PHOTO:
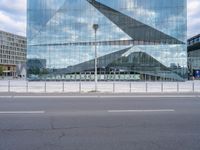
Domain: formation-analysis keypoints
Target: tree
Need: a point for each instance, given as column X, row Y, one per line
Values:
column 45, row 71
column 1, row 70
column 35, row 71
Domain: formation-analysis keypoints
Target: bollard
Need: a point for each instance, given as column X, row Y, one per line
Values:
column 130, row 87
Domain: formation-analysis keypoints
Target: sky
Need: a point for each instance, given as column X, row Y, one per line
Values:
column 13, row 16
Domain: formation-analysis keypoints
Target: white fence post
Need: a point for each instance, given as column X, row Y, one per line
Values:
column 178, row 87
column 113, row 87
column 8, row 86
column 45, row 87
column 80, row 87
column 26, row 86
column 146, row 87
column 193, row 87
column 162, row 87
column 63, row 87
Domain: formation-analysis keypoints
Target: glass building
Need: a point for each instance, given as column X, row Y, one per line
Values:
column 194, row 57
column 136, row 39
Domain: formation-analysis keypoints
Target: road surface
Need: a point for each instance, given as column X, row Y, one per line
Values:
column 100, row 123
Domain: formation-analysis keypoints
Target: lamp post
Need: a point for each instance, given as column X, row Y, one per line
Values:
column 95, row 27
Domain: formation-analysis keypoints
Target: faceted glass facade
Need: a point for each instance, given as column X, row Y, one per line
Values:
column 194, row 57
column 136, row 39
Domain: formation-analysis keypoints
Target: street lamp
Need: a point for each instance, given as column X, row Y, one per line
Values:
column 95, row 27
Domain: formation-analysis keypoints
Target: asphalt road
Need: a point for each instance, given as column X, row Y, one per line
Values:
column 100, row 123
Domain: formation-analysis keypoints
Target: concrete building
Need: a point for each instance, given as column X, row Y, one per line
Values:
column 194, row 56
column 12, row 55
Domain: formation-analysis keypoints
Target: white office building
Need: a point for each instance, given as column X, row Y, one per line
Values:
column 12, row 55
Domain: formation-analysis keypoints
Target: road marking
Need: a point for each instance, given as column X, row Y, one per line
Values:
column 56, row 96
column 22, row 112
column 49, row 96
column 126, row 111
column 152, row 96
column 5, row 96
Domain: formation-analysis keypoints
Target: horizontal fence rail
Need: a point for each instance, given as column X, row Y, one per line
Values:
column 104, row 87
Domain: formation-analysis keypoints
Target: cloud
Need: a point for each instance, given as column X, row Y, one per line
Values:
column 17, row 6
column 9, row 24
column 193, row 17
column 13, row 16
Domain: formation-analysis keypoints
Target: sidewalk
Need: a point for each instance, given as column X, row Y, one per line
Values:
column 87, row 95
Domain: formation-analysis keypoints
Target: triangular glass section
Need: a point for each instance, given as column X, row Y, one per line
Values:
column 132, row 27
column 38, row 23
column 73, row 23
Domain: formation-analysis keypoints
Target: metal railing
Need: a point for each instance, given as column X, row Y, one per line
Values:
column 104, row 87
